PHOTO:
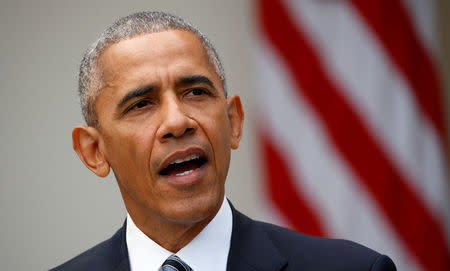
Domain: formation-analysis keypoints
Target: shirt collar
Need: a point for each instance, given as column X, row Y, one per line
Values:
column 207, row 251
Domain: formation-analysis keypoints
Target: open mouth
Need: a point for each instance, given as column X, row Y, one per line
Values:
column 181, row 167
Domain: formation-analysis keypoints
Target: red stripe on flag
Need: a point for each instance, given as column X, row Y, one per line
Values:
column 389, row 20
column 285, row 194
column 405, row 211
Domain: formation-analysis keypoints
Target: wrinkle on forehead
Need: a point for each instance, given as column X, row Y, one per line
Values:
column 156, row 49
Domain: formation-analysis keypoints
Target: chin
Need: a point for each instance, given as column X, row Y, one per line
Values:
column 195, row 210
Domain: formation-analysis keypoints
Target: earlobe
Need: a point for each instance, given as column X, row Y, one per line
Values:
column 86, row 142
column 236, row 117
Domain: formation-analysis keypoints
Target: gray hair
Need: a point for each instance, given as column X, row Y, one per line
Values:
column 90, row 82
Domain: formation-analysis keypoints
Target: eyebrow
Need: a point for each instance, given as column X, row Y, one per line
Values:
column 135, row 94
column 195, row 79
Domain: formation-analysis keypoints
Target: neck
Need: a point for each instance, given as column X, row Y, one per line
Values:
column 169, row 234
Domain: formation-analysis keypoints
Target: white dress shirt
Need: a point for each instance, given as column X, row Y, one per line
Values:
column 207, row 251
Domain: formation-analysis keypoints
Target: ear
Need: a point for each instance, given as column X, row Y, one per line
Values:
column 86, row 142
column 236, row 117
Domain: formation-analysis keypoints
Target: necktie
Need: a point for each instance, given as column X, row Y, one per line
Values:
column 173, row 263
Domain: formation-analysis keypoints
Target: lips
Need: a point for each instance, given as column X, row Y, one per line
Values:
column 183, row 163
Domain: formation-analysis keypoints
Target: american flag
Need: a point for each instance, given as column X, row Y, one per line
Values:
column 352, row 131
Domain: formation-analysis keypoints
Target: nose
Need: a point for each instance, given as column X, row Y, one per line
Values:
column 175, row 120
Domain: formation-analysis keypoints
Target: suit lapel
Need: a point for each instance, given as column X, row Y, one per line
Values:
column 119, row 250
column 123, row 266
column 251, row 247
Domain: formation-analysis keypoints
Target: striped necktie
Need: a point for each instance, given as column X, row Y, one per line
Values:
column 173, row 263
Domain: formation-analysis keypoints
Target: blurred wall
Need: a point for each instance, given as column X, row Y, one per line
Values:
column 52, row 207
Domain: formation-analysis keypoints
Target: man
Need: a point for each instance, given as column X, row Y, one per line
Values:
column 154, row 98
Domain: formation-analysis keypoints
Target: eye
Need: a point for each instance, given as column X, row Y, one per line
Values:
column 140, row 104
column 197, row 92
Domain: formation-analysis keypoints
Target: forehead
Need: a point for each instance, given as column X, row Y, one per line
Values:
column 173, row 49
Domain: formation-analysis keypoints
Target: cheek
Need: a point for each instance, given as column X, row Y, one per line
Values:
column 130, row 160
column 217, row 129
column 130, row 147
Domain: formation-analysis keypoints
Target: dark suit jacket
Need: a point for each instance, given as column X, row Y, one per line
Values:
column 254, row 246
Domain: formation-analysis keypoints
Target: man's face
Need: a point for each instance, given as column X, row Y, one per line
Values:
column 166, row 127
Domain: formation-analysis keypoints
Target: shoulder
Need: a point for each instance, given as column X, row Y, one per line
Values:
column 326, row 253
column 107, row 255
column 305, row 252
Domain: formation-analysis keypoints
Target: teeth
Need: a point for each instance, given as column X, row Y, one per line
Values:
column 185, row 173
column 190, row 157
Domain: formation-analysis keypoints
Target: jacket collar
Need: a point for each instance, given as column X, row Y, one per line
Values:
column 120, row 253
column 251, row 247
